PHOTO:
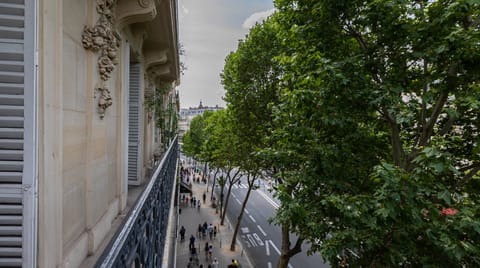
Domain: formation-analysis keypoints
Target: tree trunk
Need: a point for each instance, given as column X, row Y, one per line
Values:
column 231, row 182
column 221, row 200
column 213, row 184
column 227, row 197
column 204, row 172
column 239, row 218
column 288, row 252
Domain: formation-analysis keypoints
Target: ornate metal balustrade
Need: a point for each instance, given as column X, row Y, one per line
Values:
column 141, row 241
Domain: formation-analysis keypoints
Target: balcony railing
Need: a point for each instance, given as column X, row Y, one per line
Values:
column 141, row 241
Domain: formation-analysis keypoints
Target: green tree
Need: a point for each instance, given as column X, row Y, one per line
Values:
column 251, row 78
column 195, row 137
column 221, row 146
column 379, row 120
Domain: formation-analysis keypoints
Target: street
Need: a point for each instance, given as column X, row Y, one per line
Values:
column 262, row 240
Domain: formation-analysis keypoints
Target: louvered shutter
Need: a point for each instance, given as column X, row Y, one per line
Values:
column 134, row 123
column 17, row 138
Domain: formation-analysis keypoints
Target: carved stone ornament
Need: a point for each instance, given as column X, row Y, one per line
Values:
column 144, row 3
column 104, row 100
column 103, row 38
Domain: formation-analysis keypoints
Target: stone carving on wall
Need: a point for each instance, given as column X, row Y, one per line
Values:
column 103, row 38
column 144, row 3
column 104, row 100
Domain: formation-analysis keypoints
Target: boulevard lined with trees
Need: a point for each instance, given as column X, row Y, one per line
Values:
column 366, row 113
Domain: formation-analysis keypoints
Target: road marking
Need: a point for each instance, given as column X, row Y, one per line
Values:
column 233, row 195
column 275, row 247
column 246, row 211
column 238, row 201
column 259, row 241
column 269, row 265
column 261, row 230
column 267, row 247
column 269, row 200
column 251, row 240
column 250, row 216
column 245, row 230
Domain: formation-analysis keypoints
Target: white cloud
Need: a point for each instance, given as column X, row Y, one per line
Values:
column 185, row 10
column 208, row 31
column 257, row 17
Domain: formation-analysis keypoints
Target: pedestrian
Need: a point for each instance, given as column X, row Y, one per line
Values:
column 210, row 251
column 192, row 242
column 204, row 197
column 194, row 203
column 186, row 201
column 204, row 232
column 198, row 205
column 210, row 231
column 199, row 230
column 214, row 231
column 179, row 210
column 207, row 247
column 215, row 263
column 190, row 263
column 182, row 233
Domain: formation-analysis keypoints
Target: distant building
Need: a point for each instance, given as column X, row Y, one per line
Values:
column 186, row 116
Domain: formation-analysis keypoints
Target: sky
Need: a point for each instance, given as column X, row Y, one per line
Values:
column 208, row 31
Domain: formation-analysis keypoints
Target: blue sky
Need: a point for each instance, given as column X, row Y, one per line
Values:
column 208, row 31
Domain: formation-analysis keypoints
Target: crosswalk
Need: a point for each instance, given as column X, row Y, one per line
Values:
column 241, row 186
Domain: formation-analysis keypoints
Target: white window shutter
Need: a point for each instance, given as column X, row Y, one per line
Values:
column 17, row 134
column 134, row 123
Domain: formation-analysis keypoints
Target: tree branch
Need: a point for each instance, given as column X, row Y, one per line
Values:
column 442, row 99
column 397, row 152
column 474, row 169
column 447, row 126
column 297, row 248
column 473, row 165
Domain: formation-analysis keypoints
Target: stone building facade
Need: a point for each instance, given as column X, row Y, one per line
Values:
column 74, row 130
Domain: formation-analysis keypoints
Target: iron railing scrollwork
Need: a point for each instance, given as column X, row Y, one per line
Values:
column 141, row 241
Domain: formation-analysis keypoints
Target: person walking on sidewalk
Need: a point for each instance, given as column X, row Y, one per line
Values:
column 192, row 242
column 210, row 231
column 182, row 233
column 207, row 247
column 215, row 263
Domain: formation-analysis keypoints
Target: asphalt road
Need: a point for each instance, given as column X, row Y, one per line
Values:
column 262, row 240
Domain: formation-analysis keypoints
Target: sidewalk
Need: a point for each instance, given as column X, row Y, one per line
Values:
column 191, row 217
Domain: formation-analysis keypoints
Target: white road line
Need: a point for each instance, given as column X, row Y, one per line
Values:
column 267, row 248
column 269, row 265
column 278, row 251
column 261, row 230
column 238, row 201
column 233, row 194
column 274, row 247
column 246, row 211
column 250, row 216
column 269, row 200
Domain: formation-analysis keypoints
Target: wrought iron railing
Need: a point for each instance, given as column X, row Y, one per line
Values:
column 141, row 241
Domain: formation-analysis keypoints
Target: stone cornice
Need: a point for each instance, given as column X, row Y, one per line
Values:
column 134, row 11
column 155, row 57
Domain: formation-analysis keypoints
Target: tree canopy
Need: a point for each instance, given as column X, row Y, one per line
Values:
column 380, row 108
column 367, row 112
